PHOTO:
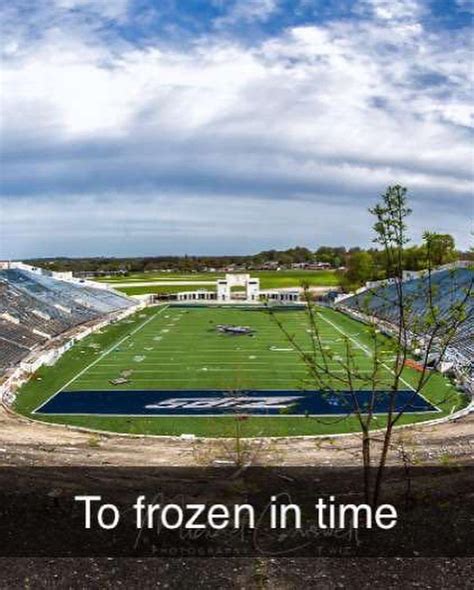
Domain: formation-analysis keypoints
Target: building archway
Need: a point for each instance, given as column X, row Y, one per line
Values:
column 251, row 285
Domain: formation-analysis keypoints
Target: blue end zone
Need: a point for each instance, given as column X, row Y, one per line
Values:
column 220, row 403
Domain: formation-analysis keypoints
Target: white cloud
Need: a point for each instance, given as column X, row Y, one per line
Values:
column 248, row 11
column 317, row 118
column 395, row 10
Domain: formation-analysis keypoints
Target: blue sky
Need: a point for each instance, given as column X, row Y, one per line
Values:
column 140, row 127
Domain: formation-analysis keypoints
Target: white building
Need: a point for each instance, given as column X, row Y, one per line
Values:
column 252, row 287
column 249, row 294
column 199, row 295
column 223, row 293
column 283, row 296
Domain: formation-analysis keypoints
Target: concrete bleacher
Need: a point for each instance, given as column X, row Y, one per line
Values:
column 31, row 312
column 464, row 340
column 61, row 295
column 10, row 353
column 19, row 334
column 448, row 288
column 35, row 307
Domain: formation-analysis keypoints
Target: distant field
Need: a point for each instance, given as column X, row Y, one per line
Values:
column 268, row 280
column 177, row 349
column 160, row 276
column 161, row 289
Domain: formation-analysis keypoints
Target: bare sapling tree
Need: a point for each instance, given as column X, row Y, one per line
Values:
column 372, row 372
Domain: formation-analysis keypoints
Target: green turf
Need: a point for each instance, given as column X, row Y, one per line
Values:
column 160, row 276
column 180, row 348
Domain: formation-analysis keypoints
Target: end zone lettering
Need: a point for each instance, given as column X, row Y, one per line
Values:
column 240, row 403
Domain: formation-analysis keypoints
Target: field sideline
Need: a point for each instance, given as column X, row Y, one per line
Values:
column 172, row 348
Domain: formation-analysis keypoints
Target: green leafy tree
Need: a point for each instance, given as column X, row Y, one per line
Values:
column 430, row 329
column 415, row 258
column 442, row 249
column 360, row 269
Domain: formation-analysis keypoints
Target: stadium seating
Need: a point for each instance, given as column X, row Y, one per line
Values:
column 19, row 334
column 447, row 287
column 35, row 307
column 10, row 353
column 464, row 341
column 31, row 312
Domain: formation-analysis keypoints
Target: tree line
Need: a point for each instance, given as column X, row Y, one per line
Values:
column 372, row 264
column 355, row 265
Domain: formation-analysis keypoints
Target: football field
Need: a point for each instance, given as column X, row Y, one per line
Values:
column 182, row 349
column 179, row 348
column 167, row 365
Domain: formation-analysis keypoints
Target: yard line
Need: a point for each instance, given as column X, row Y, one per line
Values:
column 187, row 370
column 202, row 378
column 104, row 354
column 218, row 369
column 205, row 351
column 214, row 369
column 367, row 351
column 137, row 368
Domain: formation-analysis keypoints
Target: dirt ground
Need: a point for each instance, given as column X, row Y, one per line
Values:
column 24, row 442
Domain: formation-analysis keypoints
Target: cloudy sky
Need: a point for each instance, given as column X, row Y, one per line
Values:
column 227, row 126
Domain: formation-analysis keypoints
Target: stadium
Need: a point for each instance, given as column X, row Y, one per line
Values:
column 81, row 353
column 236, row 279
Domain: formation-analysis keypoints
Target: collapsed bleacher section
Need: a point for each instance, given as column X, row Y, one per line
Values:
column 441, row 290
column 36, row 308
